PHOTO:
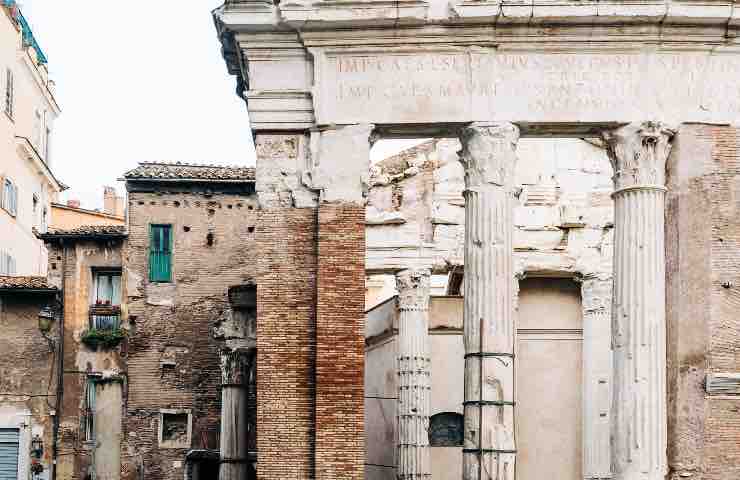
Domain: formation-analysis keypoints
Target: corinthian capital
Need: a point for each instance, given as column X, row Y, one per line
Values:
column 638, row 153
column 413, row 289
column 489, row 154
column 235, row 366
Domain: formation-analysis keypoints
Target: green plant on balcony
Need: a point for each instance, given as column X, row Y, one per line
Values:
column 104, row 338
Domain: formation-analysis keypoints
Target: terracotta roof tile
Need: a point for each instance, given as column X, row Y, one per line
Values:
column 189, row 172
column 86, row 231
column 24, row 283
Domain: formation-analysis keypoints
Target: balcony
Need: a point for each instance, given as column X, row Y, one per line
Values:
column 105, row 317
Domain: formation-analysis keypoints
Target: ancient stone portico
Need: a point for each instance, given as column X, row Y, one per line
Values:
column 657, row 83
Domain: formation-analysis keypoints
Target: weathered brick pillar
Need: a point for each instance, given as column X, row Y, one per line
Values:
column 414, row 382
column 286, row 327
column 236, row 365
column 341, row 166
column 702, row 298
column 638, row 153
column 489, row 157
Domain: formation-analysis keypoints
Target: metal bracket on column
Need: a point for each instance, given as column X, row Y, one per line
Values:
column 496, row 355
column 234, row 460
column 498, row 403
column 481, row 451
column 489, row 354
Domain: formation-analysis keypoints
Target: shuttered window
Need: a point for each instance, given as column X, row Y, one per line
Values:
column 9, row 198
column 160, row 253
column 9, row 93
column 9, row 439
column 90, row 410
column 7, row 264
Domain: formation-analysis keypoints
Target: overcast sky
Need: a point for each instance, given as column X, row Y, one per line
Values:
column 138, row 81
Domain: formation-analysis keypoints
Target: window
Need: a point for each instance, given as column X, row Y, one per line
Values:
column 90, row 409
column 7, row 264
column 446, row 430
column 9, row 92
column 37, row 128
column 106, row 309
column 44, row 219
column 160, row 253
column 10, row 197
column 175, row 428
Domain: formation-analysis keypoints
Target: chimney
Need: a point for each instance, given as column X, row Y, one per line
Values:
column 73, row 203
column 112, row 203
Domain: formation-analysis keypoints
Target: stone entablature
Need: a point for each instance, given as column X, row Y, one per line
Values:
column 575, row 64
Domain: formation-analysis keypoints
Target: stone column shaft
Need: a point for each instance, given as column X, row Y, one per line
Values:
column 638, row 153
column 489, row 157
column 414, row 387
column 235, row 372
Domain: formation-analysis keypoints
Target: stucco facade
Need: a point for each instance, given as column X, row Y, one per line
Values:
column 28, row 110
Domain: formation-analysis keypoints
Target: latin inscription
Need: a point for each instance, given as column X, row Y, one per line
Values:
column 545, row 87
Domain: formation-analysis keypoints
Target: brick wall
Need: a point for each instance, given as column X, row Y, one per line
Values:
column 28, row 372
column 703, row 252
column 286, row 343
column 173, row 321
column 340, row 446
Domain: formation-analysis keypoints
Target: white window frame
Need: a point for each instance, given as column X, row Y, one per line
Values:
column 9, row 197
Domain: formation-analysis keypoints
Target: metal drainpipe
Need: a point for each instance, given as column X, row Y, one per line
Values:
column 60, row 369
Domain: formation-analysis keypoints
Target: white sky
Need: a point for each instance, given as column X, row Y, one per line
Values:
column 140, row 81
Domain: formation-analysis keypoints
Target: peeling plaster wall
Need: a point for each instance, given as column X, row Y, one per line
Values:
column 71, row 266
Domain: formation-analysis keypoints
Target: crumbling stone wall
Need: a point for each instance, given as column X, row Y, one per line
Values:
column 563, row 219
column 173, row 358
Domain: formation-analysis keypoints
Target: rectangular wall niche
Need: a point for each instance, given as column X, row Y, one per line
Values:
column 175, row 428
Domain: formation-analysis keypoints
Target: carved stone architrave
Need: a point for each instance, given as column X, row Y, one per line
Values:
column 638, row 153
column 489, row 158
column 414, row 383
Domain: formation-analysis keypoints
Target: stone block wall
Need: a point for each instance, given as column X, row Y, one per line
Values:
column 173, row 358
column 703, row 294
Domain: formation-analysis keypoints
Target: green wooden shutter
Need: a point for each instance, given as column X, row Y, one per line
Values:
column 160, row 253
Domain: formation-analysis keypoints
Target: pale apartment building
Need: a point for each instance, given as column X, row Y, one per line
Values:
column 27, row 184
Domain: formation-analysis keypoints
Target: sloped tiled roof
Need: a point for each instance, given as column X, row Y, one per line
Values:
column 189, row 172
column 24, row 283
column 86, row 231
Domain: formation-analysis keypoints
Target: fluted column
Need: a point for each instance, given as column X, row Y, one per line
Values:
column 638, row 153
column 414, row 386
column 235, row 371
column 489, row 158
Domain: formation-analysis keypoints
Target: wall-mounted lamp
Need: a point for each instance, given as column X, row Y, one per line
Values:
column 46, row 316
column 37, row 446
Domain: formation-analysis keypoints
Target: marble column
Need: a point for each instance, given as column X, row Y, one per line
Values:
column 236, row 366
column 489, row 158
column 414, row 388
column 638, row 153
